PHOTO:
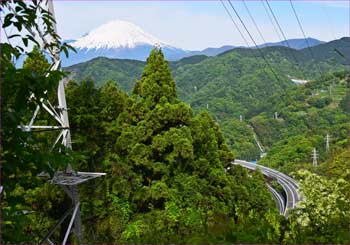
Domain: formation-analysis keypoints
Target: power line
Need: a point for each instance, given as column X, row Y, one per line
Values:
column 271, row 21
column 251, row 17
column 234, row 22
column 330, row 24
column 245, row 40
column 278, row 25
column 278, row 34
column 302, row 30
column 305, row 38
column 251, row 37
column 280, row 29
column 240, row 32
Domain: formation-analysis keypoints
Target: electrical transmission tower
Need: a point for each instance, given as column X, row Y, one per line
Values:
column 347, row 101
column 314, row 157
column 68, row 179
column 328, row 138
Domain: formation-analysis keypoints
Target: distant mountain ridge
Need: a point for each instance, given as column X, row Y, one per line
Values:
column 297, row 43
column 234, row 83
column 124, row 40
column 118, row 39
column 126, row 71
column 117, row 34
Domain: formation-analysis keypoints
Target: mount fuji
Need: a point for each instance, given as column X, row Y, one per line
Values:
column 119, row 39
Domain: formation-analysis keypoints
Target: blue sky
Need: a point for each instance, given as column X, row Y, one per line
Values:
column 200, row 24
column 196, row 25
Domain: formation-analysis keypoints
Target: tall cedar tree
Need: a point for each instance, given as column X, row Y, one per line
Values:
column 166, row 178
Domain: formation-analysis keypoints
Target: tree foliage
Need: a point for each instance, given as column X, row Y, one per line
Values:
column 166, row 177
column 170, row 178
column 26, row 201
column 323, row 214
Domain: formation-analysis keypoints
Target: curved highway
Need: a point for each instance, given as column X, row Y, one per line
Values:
column 289, row 185
column 278, row 198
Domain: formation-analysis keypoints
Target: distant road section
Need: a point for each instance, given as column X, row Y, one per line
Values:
column 289, row 185
column 299, row 81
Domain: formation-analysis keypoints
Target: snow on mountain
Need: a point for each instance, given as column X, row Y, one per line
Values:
column 117, row 34
column 119, row 39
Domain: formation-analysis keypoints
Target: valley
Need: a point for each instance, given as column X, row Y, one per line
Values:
column 239, row 80
column 119, row 137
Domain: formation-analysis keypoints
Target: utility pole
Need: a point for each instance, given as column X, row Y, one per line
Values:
column 327, row 142
column 347, row 100
column 314, row 157
column 207, row 106
column 68, row 179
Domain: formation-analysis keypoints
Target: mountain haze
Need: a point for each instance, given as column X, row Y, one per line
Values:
column 297, row 43
column 126, row 71
column 125, row 40
column 118, row 39
column 236, row 82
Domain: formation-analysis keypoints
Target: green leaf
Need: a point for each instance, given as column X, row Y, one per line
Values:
column 7, row 20
column 25, row 41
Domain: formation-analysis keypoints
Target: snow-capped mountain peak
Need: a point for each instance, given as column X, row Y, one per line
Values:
column 117, row 34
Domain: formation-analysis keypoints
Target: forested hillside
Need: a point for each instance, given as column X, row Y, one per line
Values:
column 165, row 166
column 166, row 140
column 101, row 70
column 311, row 112
column 231, row 84
column 296, row 63
column 187, row 192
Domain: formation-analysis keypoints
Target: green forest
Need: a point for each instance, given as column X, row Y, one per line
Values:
column 166, row 133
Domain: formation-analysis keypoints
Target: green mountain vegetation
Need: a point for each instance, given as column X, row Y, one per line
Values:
column 231, row 84
column 234, row 84
column 102, row 70
column 165, row 167
column 175, row 176
column 166, row 158
column 315, row 110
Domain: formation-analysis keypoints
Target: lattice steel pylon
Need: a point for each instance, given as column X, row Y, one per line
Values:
column 314, row 157
column 67, row 179
column 328, row 139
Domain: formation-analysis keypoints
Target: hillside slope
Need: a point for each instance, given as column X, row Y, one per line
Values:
column 237, row 82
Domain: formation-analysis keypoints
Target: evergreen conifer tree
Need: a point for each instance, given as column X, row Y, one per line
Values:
column 36, row 62
column 167, row 166
column 156, row 81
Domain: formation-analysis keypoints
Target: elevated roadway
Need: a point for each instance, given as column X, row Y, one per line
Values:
column 289, row 185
